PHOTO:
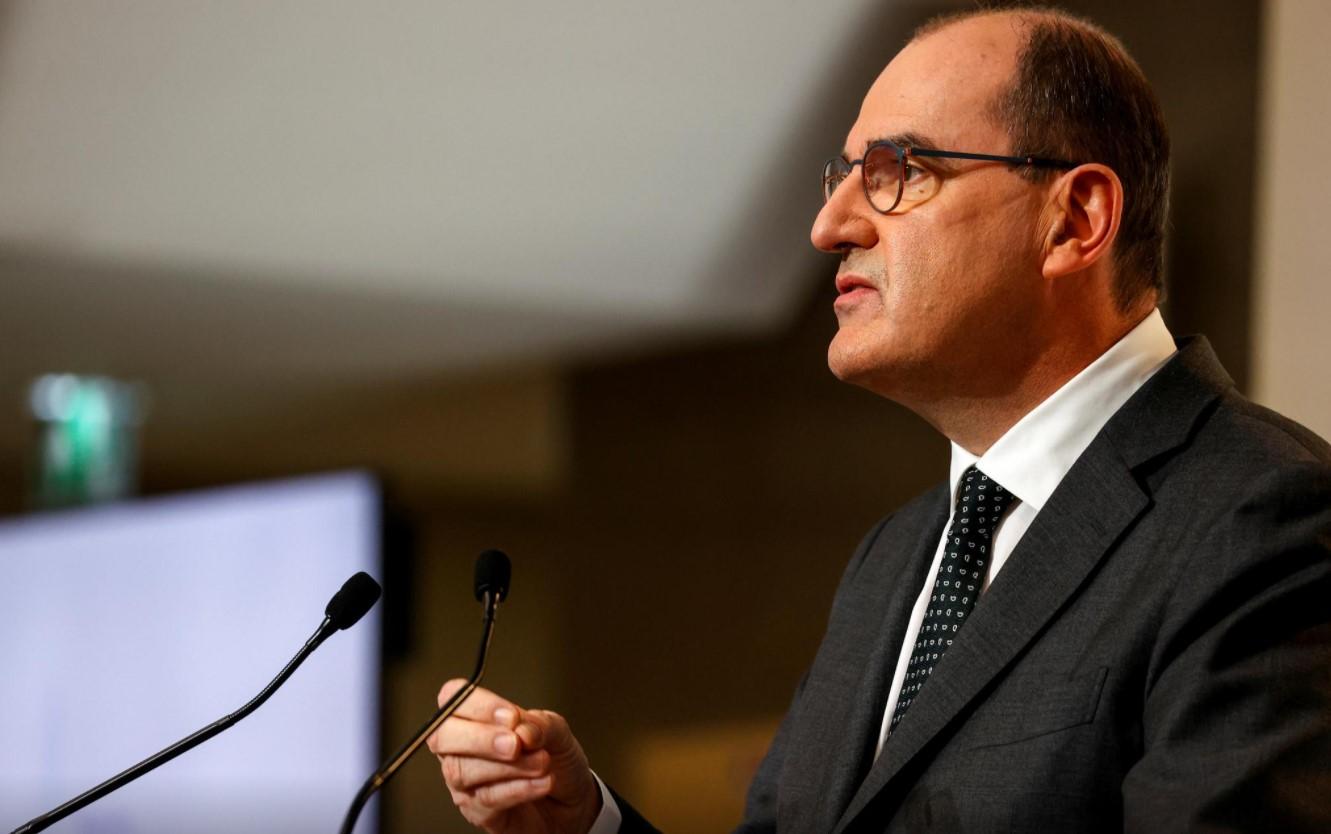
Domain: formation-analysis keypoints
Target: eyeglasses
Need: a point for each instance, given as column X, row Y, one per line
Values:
column 891, row 179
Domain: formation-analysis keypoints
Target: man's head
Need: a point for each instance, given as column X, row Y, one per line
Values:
column 1003, row 265
column 1079, row 95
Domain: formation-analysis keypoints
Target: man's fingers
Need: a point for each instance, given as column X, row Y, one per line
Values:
column 509, row 757
column 498, row 729
column 469, row 772
column 460, row 737
column 541, row 729
column 481, row 805
column 448, row 689
column 481, row 704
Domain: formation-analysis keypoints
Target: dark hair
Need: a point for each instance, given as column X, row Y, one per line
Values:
column 1078, row 95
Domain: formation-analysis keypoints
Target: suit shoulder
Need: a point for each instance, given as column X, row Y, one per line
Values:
column 1241, row 442
column 1255, row 483
column 1270, row 434
column 1248, row 482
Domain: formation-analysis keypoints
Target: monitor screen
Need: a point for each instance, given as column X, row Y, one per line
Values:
column 126, row 627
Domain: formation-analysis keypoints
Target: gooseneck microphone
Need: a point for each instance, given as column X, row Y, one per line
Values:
column 356, row 596
column 493, row 571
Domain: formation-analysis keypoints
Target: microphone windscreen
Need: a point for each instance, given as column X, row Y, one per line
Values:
column 357, row 596
column 492, row 574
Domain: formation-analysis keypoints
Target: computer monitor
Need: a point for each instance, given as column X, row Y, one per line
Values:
column 128, row 626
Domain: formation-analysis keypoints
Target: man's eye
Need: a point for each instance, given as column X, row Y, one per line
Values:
column 881, row 178
column 915, row 172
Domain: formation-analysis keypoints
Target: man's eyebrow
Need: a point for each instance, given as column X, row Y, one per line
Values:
column 909, row 139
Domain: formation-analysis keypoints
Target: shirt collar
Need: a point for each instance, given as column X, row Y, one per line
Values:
column 1032, row 457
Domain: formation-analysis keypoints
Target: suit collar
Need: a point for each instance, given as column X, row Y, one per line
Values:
column 1160, row 416
column 1097, row 500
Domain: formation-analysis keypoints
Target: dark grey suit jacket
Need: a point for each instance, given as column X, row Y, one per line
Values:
column 1155, row 655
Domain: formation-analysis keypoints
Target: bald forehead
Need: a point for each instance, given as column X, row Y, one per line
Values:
column 944, row 83
column 984, row 45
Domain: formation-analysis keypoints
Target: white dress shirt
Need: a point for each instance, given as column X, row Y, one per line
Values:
column 1029, row 460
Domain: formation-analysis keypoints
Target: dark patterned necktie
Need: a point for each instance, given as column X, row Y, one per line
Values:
column 980, row 505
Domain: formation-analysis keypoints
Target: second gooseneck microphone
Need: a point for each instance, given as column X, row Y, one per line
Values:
column 493, row 571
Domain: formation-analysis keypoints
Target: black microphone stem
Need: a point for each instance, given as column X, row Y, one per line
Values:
column 386, row 772
column 156, row 760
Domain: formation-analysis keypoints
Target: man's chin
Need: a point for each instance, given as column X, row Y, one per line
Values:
column 848, row 362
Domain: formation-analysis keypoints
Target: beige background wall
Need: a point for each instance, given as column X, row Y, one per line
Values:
column 1292, row 281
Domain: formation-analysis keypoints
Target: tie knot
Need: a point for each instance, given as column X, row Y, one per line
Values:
column 982, row 497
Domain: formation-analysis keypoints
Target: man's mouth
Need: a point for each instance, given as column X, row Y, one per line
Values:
column 851, row 287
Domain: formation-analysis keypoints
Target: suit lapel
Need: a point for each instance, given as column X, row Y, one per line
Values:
column 841, row 716
column 1058, row 551
column 1089, row 511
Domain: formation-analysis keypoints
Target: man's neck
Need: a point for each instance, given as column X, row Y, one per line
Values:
column 975, row 424
column 975, row 421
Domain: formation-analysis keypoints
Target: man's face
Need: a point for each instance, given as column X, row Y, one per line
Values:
column 937, row 298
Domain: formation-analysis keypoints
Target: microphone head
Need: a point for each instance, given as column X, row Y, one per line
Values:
column 493, row 571
column 357, row 596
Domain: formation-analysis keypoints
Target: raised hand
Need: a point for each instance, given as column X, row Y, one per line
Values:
column 514, row 771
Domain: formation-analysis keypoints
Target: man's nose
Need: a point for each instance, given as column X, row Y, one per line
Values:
column 843, row 223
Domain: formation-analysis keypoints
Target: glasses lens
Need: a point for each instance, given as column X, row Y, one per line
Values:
column 836, row 170
column 882, row 177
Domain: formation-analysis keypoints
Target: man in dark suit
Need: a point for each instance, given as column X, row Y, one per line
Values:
column 1116, row 614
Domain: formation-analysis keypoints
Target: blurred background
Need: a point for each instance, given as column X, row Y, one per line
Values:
column 543, row 270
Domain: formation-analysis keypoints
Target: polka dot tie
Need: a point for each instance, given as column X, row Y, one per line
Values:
column 980, row 505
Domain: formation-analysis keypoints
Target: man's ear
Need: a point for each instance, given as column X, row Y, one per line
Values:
column 1084, row 210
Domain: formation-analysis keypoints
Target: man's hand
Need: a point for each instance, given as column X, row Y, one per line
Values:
column 514, row 771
